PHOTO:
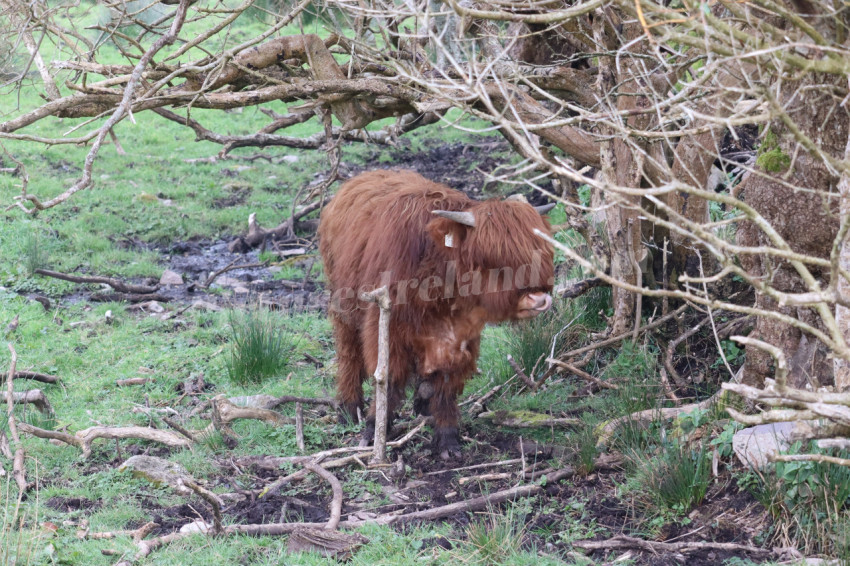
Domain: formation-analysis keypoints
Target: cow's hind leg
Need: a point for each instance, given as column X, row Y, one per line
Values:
column 351, row 371
column 443, row 407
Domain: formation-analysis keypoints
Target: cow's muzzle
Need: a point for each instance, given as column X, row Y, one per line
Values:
column 532, row 304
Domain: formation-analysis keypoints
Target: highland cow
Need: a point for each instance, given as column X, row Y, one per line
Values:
column 451, row 265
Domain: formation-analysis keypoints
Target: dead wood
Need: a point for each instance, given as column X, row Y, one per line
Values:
column 527, row 419
column 580, row 287
column 41, row 377
column 35, row 397
column 521, row 374
column 485, row 477
column 624, row 335
column 83, row 439
column 336, row 486
column 286, row 230
column 477, row 467
column 382, row 298
column 305, row 400
column 478, row 404
column 133, row 381
column 333, row 544
column 210, row 498
column 671, row 348
column 583, row 374
column 128, row 297
column 623, row 541
column 607, row 431
column 179, row 428
column 135, row 534
column 18, row 468
column 230, row 412
column 299, row 427
column 116, row 284
column 230, row 267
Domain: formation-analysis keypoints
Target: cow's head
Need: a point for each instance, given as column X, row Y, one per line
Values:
column 501, row 265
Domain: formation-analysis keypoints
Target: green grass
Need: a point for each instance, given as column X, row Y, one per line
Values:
column 260, row 346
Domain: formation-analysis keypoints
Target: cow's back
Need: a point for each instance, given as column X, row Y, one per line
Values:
column 376, row 224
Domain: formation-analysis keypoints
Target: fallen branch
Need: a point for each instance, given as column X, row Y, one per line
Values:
column 336, row 486
column 83, row 439
column 521, row 374
column 305, row 400
column 582, row 374
column 527, row 419
column 485, row 477
column 116, row 284
column 625, row 335
column 650, row 415
column 18, row 468
column 35, row 376
column 133, row 381
column 257, row 235
column 128, row 297
column 35, row 397
column 230, row 267
column 210, row 498
column 623, row 541
column 230, row 412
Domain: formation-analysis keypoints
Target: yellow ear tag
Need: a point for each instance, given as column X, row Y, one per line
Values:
column 450, row 240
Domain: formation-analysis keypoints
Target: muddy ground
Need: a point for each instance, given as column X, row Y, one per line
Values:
column 727, row 515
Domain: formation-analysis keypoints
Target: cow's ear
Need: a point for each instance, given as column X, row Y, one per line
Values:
column 446, row 233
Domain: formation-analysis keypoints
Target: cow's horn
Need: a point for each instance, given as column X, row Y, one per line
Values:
column 541, row 210
column 461, row 217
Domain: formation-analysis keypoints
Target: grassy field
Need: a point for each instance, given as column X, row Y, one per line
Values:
column 162, row 196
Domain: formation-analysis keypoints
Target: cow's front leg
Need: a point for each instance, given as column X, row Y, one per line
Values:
column 443, row 407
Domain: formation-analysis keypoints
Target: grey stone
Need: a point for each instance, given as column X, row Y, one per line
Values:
column 158, row 471
column 170, row 278
column 754, row 445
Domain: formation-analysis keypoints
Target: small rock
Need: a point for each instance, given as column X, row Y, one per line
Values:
column 196, row 526
column 754, row 445
column 158, row 471
column 240, row 290
column 205, row 306
column 170, row 278
column 290, row 158
column 226, row 281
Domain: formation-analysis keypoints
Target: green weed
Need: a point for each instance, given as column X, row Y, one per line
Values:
column 493, row 541
column 260, row 346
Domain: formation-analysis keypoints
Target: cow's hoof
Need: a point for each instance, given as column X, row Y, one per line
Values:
column 446, row 443
column 367, row 437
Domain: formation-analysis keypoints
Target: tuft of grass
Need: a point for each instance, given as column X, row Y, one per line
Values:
column 496, row 540
column 584, row 444
column 34, row 251
column 807, row 501
column 260, row 346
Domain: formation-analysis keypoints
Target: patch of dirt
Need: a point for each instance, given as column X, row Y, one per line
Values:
column 71, row 504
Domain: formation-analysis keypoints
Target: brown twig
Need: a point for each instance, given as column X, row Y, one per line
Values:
column 382, row 298
column 299, row 427
column 305, row 400
column 210, row 498
column 579, row 288
column 336, row 486
column 133, row 381
column 18, row 469
column 35, row 397
column 116, row 284
column 623, row 541
column 583, row 374
column 521, row 374
column 35, row 376
column 230, row 267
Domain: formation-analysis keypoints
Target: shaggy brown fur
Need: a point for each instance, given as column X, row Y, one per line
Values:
column 446, row 281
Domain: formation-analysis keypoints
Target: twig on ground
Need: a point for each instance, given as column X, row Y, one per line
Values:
column 477, row 467
column 478, row 406
column 305, row 400
column 179, row 428
column 623, row 541
column 116, row 284
column 83, row 439
column 18, row 468
column 133, row 381
column 527, row 419
column 521, row 374
column 299, row 427
column 336, row 486
column 210, row 498
column 485, row 477
column 582, row 374
column 35, row 397
column 625, row 335
column 230, row 267
column 135, row 534
column 35, row 376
